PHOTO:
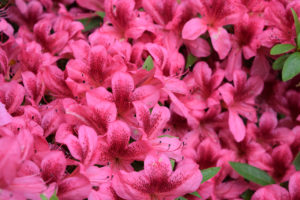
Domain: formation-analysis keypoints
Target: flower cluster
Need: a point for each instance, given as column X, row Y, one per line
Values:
column 136, row 104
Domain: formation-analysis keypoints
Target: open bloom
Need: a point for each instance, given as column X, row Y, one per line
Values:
column 215, row 15
column 240, row 100
column 157, row 180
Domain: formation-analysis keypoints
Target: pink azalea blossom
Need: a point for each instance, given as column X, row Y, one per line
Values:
column 240, row 99
column 157, row 180
column 215, row 15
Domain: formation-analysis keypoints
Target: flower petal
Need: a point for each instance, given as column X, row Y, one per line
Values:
column 193, row 29
column 220, row 41
column 236, row 126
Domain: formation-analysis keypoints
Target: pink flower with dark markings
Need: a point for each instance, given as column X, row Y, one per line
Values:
column 116, row 149
column 268, row 133
column 157, row 180
column 204, row 92
column 124, row 93
column 280, row 24
column 245, row 42
column 214, row 15
column 282, row 167
column 240, row 100
column 34, row 87
column 74, row 187
column 127, row 22
column 12, row 95
column 151, row 126
column 271, row 192
column 85, row 147
column 53, row 167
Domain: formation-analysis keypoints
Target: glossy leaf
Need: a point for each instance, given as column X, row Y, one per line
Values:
column 181, row 198
column 172, row 163
column 148, row 64
column 296, row 21
column 169, row 136
column 247, row 194
column 252, row 173
column 279, row 62
column 297, row 162
column 190, row 60
column 281, row 48
column 196, row 194
column 291, row 67
column 43, row 197
column 209, row 173
column 90, row 23
column 101, row 14
column 298, row 41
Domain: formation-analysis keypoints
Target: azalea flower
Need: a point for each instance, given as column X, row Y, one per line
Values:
column 214, row 15
column 240, row 99
column 157, row 180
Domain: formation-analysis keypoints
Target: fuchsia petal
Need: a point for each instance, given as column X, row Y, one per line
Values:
column 88, row 141
column 97, row 61
column 186, row 178
column 227, row 92
column 12, row 95
column 128, row 185
column 118, row 136
column 142, row 114
column 80, row 49
column 157, row 167
column 236, row 126
column 198, row 47
column 159, row 117
column 193, row 29
column 53, row 166
column 202, row 74
column 94, row 5
column 10, row 158
column 65, row 136
column 268, row 121
column 5, row 117
column 122, row 88
column 271, row 192
column 153, row 8
column 34, row 87
column 74, row 187
column 220, row 41
column 148, row 94
column 294, row 185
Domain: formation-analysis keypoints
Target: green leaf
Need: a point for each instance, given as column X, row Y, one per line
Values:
column 190, row 60
column 247, row 194
column 101, row 14
column 148, row 64
column 54, row 197
column 196, row 194
column 169, row 136
column 281, row 48
column 296, row 20
column 43, row 197
column 172, row 163
column 209, row 173
column 90, row 23
column 296, row 162
column 181, row 198
column 278, row 63
column 298, row 41
column 252, row 173
column 291, row 66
